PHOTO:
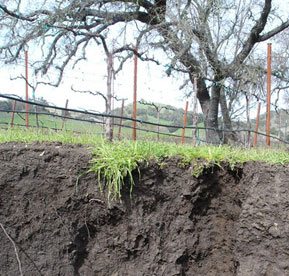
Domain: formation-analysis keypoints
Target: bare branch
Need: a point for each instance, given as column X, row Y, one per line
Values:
column 254, row 35
column 16, row 15
column 158, row 107
column 275, row 31
column 33, row 87
column 122, row 62
column 95, row 93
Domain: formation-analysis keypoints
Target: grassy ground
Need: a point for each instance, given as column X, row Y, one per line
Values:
column 21, row 134
column 51, row 121
column 81, row 126
column 116, row 161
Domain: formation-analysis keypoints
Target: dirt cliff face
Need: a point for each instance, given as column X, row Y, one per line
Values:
column 224, row 222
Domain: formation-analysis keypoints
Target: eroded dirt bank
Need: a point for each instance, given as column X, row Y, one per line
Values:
column 221, row 223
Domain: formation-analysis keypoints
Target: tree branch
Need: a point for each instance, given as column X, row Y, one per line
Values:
column 275, row 31
column 143, row 3
column 254, row 35
column 158, row 107
column 16, row 15
column 96, row 93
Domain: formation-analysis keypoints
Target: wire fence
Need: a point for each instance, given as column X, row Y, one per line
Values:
column 94, row 122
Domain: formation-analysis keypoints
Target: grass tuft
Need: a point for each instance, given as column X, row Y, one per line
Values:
column 115, row 162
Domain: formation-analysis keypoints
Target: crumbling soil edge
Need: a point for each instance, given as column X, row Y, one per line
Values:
column 224, row 222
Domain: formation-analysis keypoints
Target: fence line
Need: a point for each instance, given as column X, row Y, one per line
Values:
column 142, row 122
column 85, row 120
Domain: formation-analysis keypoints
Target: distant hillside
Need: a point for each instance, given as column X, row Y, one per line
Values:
column 275, row 122
column 173, row 116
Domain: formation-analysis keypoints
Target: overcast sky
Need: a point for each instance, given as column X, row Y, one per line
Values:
column 153, row 83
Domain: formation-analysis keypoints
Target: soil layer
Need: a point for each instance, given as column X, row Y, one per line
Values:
column 55, row 222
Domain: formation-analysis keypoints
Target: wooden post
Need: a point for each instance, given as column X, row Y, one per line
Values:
column 185, row 122
column 248, row 119
column 120, row 122
column 113, row 96
column 13, row 113
column 103, row 126
column 280, row 121
column 285, row 134
column 64, row 114
column 195, row 119
column 108, row 120
column 268, row 114
column 158, row 122
column 134, row 96
column 257, row 125
column 36, row 111
column 26, row 86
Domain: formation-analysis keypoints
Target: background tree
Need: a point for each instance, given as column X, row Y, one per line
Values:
column 209, row 39
column 6, row 105
column 158, row 108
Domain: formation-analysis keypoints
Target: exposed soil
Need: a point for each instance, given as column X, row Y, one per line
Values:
column 223, row 222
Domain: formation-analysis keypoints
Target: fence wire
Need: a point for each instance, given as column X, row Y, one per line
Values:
column 113, row 116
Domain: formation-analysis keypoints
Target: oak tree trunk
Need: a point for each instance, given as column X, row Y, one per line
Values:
column 229, row 135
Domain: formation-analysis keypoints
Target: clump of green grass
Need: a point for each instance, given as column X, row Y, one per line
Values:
column 115, row 162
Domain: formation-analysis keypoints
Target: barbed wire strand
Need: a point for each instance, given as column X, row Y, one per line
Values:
column 103, row 115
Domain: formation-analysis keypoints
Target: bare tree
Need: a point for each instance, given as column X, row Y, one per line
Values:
column 110, row 73
column 107, row 101
column 158, row 108
column 208, row 39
